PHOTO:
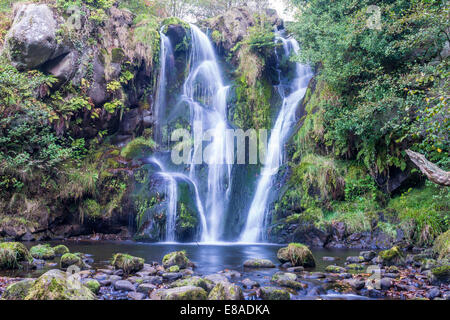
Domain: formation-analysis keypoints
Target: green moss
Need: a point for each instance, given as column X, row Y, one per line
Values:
column 42, row 251
column 442, row 245
column 117, row 55
column 390, row 254
column 127, row 263
column 271, row 293
column 137, row 147
column 20, row 251
column 69, row 259
column 355, row 267
column 442, row 272
column 93, row 285
column 174, row 269
column 191, row 281
column 61, row 250
column 8, row 259
column 297, row 254
column 18, row 290
column 177, row 258
column 334, row 269
column 175, row 21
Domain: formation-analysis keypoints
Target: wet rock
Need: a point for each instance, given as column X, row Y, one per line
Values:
column 172, row 276
column 230, row 274
column 316, row 291
column 355, row 267
column 127, row 263
column 179, row 293
column 216, row 278
column 272, row 293
column 295, row 269
column 114, row 278
column 153, row 280
column 106, row 271
column 146, row 288
column 259, row 263
column 226, row 291
column 314, row 275
column 136, row 295
column 60, row 250
column 57, row 285
column 335, row 269
column 249, row 284
column 177, row 258
column 297, row 254
column 123, row 285
column 433, row 293
column 440, row 275
column 93, row 285
column 191, row 281
column 358, row 259
column 391, row 256
column 100, row 277
column 368, row 255
column 70, row 259
column 286, row 265
column 355, row 283
column 18, row 290
column 285, row 279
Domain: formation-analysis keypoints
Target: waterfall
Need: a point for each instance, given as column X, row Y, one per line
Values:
column 256, row 220
column 206, row 96
column 167, row 66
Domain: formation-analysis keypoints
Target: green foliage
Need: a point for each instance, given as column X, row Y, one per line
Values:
column 261, row 38
column 136, row 147
column 146, row 33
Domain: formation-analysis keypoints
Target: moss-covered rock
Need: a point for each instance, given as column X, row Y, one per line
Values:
column 177, row 258
column 42, row 252
column 180, row 293
column 440, row 275
column 297, row 254
column 335, row 269
column 286, row 279
column 391, row 256
column 61, row 250
column 58, row 285
column 93, row 285
column 272, row 293
column 226, row 291
column 174, row 269
column 191, row 281
column 18, row 290
column 70, row 259
column 441, row 245
column 127, row 263
column 259, row 263
column 21, row 252
column 355, row 267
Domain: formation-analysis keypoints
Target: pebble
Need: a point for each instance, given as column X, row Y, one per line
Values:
column 123, row 285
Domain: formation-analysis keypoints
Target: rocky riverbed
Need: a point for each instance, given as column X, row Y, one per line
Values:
column 388, row 274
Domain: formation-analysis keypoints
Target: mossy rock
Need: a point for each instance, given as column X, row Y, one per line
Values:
column 57, row 285
column 286, row 279
column 259, row 263
column 42, row 252
column 355, row 267
column 177, row 258
column 180, row 293
column 18, row 290
column 391, row 256
column 272, row 293
column 335, row 269
column 93, row 285
column 21, row 252
column 61, row 250
column 8, row 259
column 127, row 263
column 441, row 245
column 226, row 291
column 174, row 269
column 70, row 259
column 297, row 254
column 191, row 281
column 440, row 275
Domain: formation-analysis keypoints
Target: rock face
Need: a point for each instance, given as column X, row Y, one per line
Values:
column 32, row 38
column 226, row 291
column 180, row 293
column 297, row 254
column 56, row 285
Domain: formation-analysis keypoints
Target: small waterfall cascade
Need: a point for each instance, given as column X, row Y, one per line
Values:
column 206, row 96
column 291, row 96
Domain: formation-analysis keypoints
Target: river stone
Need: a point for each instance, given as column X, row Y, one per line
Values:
column 70, row 259
column 172, row 276
column 136, row 295
column 354, row 259
column 335, row 269
column 179, row 293
column 127, row 263
column 191, row 281
column 259, row 263
column 93, row 285
column 272, row 293
column 146, row 288
column 355, row 283
column 231, row 274
column 177, row 258
column 285, row 279
column 368, row 255
column 297, row 254
column 57, row 285
column 18, row 290
column 226, row 291
column 114, row 278
column 295, row 269
column 216, row 278
column 153, row 280
column 32, row 41
column 123, row 285
column 249, row 284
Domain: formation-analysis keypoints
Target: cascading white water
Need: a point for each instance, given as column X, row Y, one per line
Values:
column 256, row 220
column 167, row 65
column 206, row 96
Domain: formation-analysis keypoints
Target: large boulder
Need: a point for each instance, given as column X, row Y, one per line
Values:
column 177, row 258
column 18, row 290
column 58, row 285
column 12, row 254
column 42, row 252
column 32, row 39
column 71, row 259
column 297, row 254
column 127, row 263
column 391, row 256
column 180, row 293
column 226, row 291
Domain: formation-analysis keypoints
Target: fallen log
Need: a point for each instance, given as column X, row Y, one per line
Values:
column 432, row 171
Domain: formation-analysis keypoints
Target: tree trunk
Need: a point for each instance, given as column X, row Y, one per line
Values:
column 432, row 171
